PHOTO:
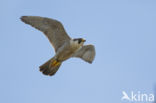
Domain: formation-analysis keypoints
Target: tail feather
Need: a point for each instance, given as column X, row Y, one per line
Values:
column 50, row 67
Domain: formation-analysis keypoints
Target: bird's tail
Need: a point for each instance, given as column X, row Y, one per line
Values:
column 50, row 67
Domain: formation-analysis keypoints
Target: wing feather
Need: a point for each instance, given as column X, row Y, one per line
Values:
column 53, row 29
column 86, row 53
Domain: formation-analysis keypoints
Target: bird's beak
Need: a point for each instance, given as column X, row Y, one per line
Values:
column 83, row 40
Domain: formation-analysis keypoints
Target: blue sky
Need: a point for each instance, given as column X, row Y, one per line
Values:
column 123, row 32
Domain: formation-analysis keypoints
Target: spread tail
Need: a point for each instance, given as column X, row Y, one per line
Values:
column 50, row 67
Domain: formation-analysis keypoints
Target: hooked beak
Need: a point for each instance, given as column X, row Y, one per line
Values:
column 83, row 40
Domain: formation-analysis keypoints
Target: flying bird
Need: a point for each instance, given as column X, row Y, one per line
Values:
column 65, row 47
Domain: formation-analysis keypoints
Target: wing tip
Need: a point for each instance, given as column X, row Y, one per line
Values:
column 90, row 62
column 23, row 18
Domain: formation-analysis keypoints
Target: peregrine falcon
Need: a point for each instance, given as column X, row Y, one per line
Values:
column 64, row 46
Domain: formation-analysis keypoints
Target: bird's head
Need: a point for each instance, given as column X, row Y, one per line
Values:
column 79, row 40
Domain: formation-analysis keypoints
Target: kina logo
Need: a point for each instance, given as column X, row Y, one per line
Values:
column 137, row 97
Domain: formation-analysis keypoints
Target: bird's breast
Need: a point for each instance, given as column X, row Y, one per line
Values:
column 67, row 51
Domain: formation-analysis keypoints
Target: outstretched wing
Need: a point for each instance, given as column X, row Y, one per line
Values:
column 86, row 53
column 53, row 29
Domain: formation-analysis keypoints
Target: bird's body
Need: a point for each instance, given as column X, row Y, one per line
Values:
column 67, row 50
column 64, row 46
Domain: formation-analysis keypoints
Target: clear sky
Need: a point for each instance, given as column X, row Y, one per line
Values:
column 123, row 32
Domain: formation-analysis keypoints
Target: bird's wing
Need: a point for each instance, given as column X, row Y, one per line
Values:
column 86, row 53
column 53, row 29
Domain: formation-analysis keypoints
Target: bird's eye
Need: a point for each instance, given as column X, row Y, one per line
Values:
column 79, row 41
